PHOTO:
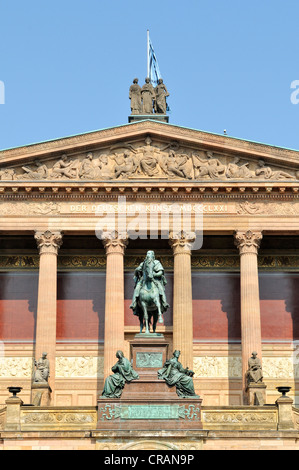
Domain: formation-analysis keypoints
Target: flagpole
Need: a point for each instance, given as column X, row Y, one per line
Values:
column 148, row 60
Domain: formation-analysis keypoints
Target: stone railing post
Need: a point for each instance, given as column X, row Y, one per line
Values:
column 13, row 412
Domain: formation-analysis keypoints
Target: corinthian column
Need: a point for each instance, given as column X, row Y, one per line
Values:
column 182, row 296
column 48, row 244
column 248, row 244
column 114, row 303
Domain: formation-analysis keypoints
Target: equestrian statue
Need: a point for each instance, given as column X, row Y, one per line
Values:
column 149, row 298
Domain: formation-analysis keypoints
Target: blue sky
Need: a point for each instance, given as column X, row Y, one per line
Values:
column 67, row 66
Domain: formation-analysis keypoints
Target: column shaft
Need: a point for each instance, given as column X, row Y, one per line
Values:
column 48, row 244
column 248, row 244
column 182, row 298
column 114, row 303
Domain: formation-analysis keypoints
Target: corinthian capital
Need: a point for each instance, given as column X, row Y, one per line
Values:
column 248, row 242
column 181, row 242
column 48, row 242
column 115, row 242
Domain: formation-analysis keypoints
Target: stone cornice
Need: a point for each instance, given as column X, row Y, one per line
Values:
column 51, row 190
column 208, row 141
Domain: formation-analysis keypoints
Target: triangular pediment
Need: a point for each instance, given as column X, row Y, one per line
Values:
column 148, row 151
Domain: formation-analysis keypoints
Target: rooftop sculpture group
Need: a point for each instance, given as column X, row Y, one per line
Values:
column 147, row 100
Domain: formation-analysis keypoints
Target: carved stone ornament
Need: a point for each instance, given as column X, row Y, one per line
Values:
column 248, row 242
column 181, row 242
column 42, row 372
column 115, row 242
column 48, row 242
column 127, row 161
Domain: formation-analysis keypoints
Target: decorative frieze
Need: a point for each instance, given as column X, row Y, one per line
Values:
column 16, row 367
column 217, row 367
column 58, row 419
column 223, row 205
column 148, row 160
column 30, row 208
column 198, row 262
column 204, row 367
column 285, row 368
column 280, row 368
column 79, row 367
column 234, row 418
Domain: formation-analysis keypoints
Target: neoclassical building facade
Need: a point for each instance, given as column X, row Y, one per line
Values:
column 66, row 278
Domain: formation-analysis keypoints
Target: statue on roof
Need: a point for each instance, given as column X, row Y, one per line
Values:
column 148, row 97
column 148, row 100
column 161, row 95
column 135, row 97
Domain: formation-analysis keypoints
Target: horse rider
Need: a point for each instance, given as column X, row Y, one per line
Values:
column 159, row 280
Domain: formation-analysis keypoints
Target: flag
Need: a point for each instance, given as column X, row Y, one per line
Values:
column 153, row 70
column 153, row 67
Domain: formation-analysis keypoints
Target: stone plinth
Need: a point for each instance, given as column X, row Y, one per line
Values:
column 41, row 394
column 149, row 403
column 152, row 117
column 285, row 413
column 148, row 353
column 13, row 414
column 256, row 394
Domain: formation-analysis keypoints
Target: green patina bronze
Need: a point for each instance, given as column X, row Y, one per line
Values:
column 174, row 374
column 149, row 360
column 150, row 412
column 149, row 298
column 122, row 373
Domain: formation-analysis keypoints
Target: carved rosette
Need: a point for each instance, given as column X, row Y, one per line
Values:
column 181, row 242
column 115, row 243
column 248, row 242
column 48, row 242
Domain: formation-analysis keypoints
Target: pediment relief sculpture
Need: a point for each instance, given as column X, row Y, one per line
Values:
column 125, row 161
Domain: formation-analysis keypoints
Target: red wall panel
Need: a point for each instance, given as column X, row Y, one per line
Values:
column 279, row 302
column 18, row 305
column 81, row 306
column 216, row 306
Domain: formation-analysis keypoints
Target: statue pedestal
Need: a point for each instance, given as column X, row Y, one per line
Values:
column 149, row 403
column 41, row 394
column 148, row 353
column 256, row 394
column 153, row 117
